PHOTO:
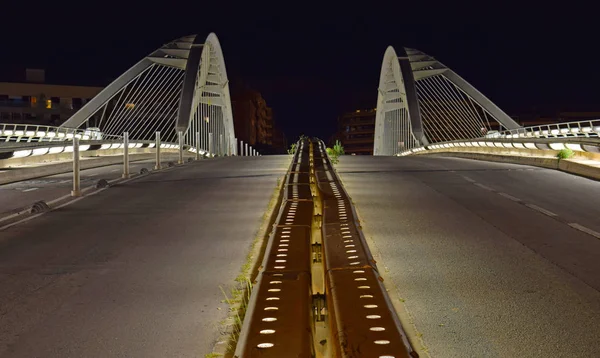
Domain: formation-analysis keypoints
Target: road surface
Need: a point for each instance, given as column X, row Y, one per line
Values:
column 15, row 197
column 135, row 270
column 482, row 254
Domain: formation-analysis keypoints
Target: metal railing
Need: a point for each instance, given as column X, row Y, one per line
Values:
column 589, row 128
column 577, row 144
column 10, row 132
column 583, row 136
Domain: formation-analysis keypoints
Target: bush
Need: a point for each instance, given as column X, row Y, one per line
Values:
column 338, row 149
column 335, row 152
column 292, row 149
column 565, row 154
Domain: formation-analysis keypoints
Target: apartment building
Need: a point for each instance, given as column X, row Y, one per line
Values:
column 36, row 102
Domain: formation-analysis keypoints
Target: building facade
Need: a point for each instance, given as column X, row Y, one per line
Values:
column 356, row 131
column 36, row 102
column 254, row 123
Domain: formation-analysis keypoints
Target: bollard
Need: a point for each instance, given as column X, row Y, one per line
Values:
column 246, row 150
column 126, row 155
column 221, row 151
column 210, row 144
column 76, row 179
column 234, row 147
column 180, row 135
column 241, row 148
column 197, row 145
column 157, row 166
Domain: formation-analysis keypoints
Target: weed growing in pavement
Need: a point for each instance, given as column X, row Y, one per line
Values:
column 213, row 355
column 565, row 154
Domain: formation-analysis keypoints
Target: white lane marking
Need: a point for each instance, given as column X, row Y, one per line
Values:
column 483, row 186
column 92, row 175
column 541, row 210
column 30, row 189
column 510, row 197
column 64, row 181
column 468, row 179
column 115, row 170
column 585, row 229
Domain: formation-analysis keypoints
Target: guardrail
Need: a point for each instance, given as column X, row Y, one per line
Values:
column 39, row 149
column 319, row 292
column 577, row 144
column 10, row 132
column 589, row 129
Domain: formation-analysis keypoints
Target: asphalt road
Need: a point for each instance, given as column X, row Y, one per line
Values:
column 482, row 253
column 18, row 196
column 136, row 270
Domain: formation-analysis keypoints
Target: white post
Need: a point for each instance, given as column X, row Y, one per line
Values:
column 241, row 148
column 76, row 179
column 180, row 135
column 235, row 146
column 197, row 145
column 210, row 144
column 221, row 151
column 246, row 151
column 126, row 155
column 157, row 146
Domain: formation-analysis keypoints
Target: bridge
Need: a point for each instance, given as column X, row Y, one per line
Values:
column 143, row 227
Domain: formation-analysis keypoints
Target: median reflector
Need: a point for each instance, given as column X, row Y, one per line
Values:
column 39, row 207
column 102, row 183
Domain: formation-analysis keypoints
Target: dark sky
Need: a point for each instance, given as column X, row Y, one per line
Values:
column 312, row 61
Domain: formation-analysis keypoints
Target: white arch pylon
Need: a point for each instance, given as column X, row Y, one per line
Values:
column 397, row 90
column 205, row 81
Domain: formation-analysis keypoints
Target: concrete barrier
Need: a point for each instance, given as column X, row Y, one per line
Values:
column 52, row 158
column 25, row 173
column 576, row 165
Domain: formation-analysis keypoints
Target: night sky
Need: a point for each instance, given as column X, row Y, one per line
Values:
column 312, row 61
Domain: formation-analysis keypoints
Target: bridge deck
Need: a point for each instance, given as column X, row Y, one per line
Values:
column 135, row 270
column 481, row 274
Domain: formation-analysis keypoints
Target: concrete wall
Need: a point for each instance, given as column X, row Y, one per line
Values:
column 533, row 157
column 53, row 158
column 64, row 164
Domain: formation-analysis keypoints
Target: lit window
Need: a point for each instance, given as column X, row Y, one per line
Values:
column 48, row 103
column 129, row 105
column 33, row 100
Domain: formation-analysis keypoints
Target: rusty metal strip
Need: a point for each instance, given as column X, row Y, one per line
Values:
column 299, row 192
column 281, row 320
column 360, row 316
column 278, row 322
column 298, row 177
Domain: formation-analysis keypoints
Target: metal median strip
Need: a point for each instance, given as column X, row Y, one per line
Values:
column 278, row 321
column 319, row 293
